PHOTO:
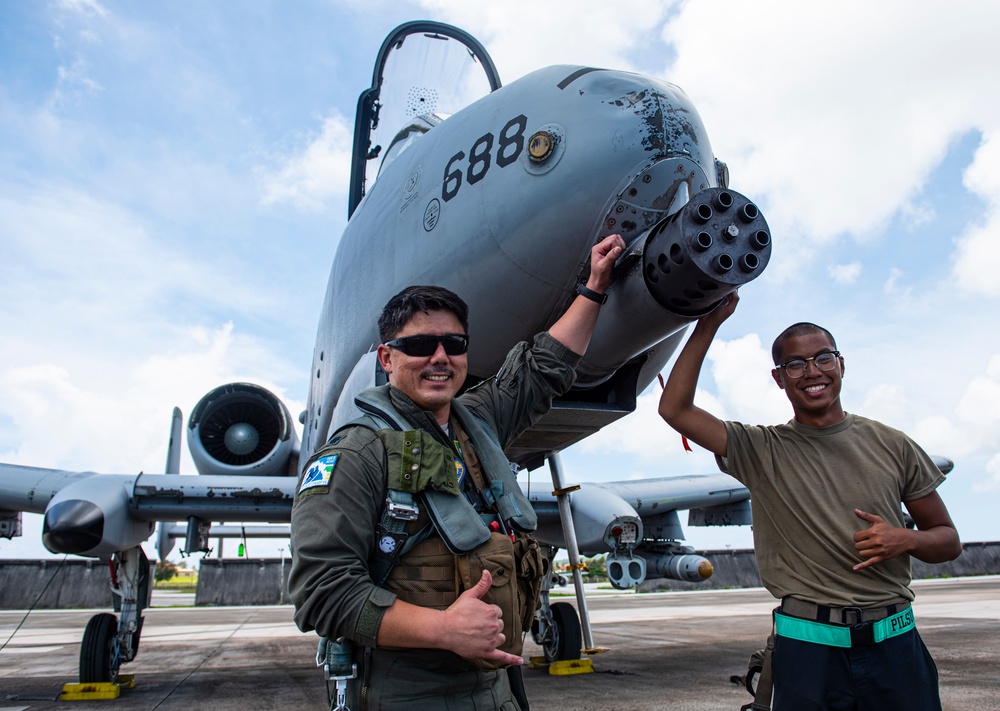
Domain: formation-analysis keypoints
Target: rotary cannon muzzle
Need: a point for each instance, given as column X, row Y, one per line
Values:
column 714, row 244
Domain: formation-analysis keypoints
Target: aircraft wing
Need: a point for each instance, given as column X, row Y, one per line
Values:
column 31, row 488
column 100, row 514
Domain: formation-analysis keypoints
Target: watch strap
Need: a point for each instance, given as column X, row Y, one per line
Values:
column 583, row 291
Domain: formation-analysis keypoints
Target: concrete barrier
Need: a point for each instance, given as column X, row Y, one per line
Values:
column 78, row 583
column 738, row 568
column 242, row 581
column 730, row 569
column 54, row 584
column 976, row 559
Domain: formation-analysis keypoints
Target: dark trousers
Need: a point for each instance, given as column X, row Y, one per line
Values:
column 431, row 680
column 895, row 674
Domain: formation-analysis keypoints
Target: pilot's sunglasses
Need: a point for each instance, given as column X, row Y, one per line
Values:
column 423, row 346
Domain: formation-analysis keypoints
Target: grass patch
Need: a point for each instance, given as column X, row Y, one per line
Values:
column 182, row 584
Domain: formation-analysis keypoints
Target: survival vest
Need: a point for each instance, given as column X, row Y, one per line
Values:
column 482, row 529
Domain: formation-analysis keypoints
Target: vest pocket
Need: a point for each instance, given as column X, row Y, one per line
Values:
column 496, row 556
column 532, row 567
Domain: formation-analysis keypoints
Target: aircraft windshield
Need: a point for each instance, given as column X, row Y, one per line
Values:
column 407, row 135
column 426, row 74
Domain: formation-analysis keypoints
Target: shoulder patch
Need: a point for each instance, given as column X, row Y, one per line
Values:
column 319, row 472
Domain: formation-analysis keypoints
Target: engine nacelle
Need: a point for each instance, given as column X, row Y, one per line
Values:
column 242, row 429
column 603, row 520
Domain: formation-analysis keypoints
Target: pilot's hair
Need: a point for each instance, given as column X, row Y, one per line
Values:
column 797, row 329
column 406, row 303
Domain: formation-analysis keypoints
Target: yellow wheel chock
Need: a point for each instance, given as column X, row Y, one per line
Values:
column 97, row 691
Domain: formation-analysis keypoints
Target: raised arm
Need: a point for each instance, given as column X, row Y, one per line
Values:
column 677, row 401
column 575, row 327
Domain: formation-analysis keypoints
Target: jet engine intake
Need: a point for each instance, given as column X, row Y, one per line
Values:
column 242, row 429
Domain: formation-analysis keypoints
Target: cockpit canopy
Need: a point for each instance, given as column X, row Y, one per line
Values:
column 425, row 71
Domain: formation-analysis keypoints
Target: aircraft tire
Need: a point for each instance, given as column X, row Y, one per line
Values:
column 98, row 653
column 565, row 639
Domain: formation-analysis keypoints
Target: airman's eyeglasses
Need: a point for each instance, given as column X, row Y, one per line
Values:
column 423, row 346
column 796, row 367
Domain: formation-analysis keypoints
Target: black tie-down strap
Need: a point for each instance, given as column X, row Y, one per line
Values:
column 760, row 664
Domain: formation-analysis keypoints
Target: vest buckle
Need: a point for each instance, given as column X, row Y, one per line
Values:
column 401, row 507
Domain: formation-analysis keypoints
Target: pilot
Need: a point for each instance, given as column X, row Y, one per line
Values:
column 829, row 535
column 409, row 530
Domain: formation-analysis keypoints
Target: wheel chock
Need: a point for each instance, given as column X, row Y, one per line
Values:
column 537, row 663
column 97, row 691
column 565, row 667
column 90, row 692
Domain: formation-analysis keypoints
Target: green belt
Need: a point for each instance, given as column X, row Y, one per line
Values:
column 841, row 635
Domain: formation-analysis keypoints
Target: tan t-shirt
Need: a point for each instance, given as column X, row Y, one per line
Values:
column 805, row 483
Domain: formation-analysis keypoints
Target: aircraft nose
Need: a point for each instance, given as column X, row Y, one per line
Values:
column 72, row 527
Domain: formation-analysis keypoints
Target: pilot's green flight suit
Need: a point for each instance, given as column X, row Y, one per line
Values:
column 341, row 503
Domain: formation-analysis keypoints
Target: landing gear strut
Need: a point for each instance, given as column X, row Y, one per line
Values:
column 110, row 641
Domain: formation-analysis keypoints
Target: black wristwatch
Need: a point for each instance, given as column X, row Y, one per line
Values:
column 582, row 290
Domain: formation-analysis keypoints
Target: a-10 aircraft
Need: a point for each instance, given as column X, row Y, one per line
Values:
column 497, row 193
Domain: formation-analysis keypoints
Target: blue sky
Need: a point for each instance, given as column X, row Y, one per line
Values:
column 173, row 183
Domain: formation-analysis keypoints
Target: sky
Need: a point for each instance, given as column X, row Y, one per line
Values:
column 174, row 177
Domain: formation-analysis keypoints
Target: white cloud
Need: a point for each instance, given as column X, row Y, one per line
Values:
column 978, row 247
column 917, row 214
column 75, row 263
column 87, row 8
column 521, row 39
column 992, row 484
column 63, row 417
column 845, row 274
column 75, row 75
column 886, row 402
column 841, row 138
column 742, row 372
column 972, row 428
column 894, row 286
column 941, row 433
column 644, row 435
column 317, row 174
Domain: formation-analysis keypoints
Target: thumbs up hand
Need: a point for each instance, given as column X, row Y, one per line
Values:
column 475, row 628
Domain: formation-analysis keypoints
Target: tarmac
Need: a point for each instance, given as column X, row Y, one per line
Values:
column 669, row 650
